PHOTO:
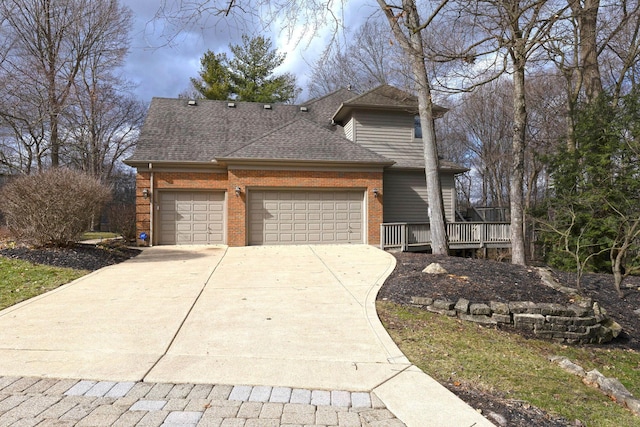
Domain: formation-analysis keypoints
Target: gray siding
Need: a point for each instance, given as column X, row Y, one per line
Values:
column 388, row 134
column 348, row 130
column 448, row 183
column 405, row 196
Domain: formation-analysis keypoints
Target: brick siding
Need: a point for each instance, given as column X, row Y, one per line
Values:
column 237, row 232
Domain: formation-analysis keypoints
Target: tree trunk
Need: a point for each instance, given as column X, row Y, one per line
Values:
column 517, row 166
column 413, row 48
column 439, row 244
column 586, row 17
column 54, row 143
column 616, row 267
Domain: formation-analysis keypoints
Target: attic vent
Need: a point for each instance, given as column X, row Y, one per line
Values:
column 267, row 106
column 231, row 104
column 304, row 109
column 192, row 102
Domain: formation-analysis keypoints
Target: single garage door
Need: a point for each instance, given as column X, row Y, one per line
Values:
column 191, row 218
column 299, row 217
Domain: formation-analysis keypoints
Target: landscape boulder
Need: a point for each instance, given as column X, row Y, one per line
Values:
column 434, row 268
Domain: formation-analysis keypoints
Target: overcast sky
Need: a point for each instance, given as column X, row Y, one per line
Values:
column 163, row 70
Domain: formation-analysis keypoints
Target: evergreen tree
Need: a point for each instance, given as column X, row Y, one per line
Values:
column 247, row 76
column 594, row 213
column 252, row 72
column 214, row 81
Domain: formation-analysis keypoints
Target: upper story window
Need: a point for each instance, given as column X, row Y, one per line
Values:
column 417, row 127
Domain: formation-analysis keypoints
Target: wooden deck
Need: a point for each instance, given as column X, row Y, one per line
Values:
column 462, row 235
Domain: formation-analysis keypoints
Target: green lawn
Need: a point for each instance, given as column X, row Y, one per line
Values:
column 90, row 235
column 451, row 350
column 21, row 280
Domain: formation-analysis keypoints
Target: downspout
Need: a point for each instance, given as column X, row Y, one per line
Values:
column 153, row 193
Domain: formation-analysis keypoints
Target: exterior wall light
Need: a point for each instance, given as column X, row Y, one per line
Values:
column 145, row 193
column 238, row 191
column 376, row 192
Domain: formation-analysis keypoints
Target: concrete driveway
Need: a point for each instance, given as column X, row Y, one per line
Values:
column 298, row 316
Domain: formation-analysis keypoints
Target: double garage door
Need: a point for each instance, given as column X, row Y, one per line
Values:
column 275, row 217
column 191, row 218
column 278, row 217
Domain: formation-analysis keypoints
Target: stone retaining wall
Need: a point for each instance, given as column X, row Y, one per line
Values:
column 580, row 323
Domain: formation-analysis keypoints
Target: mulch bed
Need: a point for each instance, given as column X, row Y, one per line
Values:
column 81, row 256
column 486, row 280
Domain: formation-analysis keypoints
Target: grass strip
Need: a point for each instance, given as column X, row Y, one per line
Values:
column 21, row 280
column 511, row 366
column 91, row 235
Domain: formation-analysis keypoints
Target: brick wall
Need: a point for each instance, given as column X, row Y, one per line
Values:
column 191, row 180
column 237, row 224
column 143, row 206
column 237, row 232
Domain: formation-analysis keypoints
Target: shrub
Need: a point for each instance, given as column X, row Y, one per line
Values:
column 122, row 220
column 52, row 208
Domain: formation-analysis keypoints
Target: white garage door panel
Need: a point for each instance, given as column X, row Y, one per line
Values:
column 298, row 217
column 191, row 218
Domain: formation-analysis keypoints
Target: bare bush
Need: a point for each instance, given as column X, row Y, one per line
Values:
column 52, row 208
column 122, row 220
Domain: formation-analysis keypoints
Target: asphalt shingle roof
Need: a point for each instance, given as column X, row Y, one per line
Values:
column 321, row 109
column 382, row 97
column 175, row 131
column 385, row 96
column 417, row 162
column 305, row 140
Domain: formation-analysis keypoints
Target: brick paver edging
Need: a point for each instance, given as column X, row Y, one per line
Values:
column 43, row 402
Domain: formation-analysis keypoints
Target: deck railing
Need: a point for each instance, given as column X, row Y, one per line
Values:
column 462, row 235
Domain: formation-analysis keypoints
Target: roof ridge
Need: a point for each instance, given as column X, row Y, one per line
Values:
column 379, row 91
column 224, row 101
column 363, row 94
column 320, row 98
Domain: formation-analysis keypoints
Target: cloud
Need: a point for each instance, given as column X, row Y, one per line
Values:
column 160, row 67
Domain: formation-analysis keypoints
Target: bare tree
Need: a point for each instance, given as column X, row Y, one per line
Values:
column 571, row 238
column 619, row 52
column 366, row 60
column 546, row 103
column 585, row 14
column 485, row 120
column 102, row 127
column 481, row 121
column 509, row 36
column 23, row 145
column 409, row 29
column 50, row 40
column 597, row 34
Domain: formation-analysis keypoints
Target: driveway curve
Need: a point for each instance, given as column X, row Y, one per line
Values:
column 293, row 316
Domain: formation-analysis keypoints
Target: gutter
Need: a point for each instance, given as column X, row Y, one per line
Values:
column 298, row 162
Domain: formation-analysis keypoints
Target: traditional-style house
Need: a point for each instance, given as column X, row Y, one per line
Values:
column 331, row 170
